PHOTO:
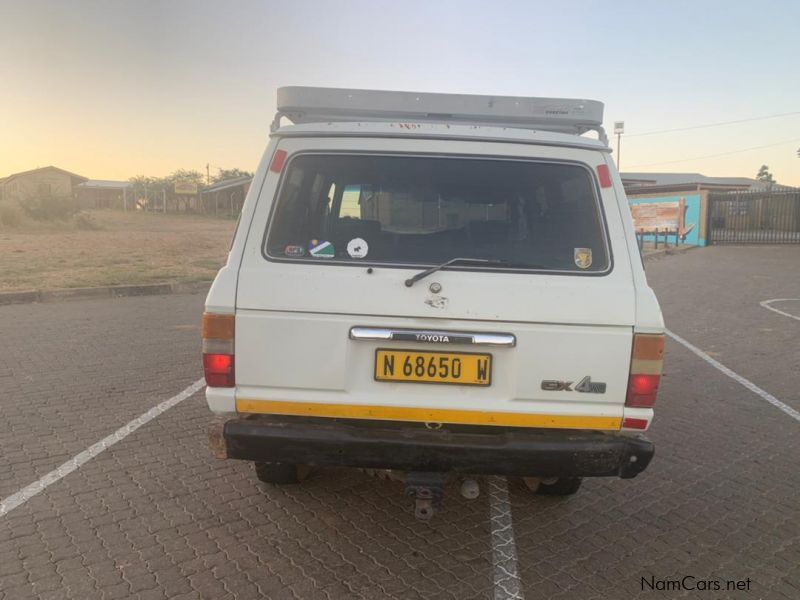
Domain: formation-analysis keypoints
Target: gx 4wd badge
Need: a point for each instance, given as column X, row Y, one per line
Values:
column 585, row 385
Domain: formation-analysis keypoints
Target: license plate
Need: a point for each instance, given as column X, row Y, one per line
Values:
column 459, row 368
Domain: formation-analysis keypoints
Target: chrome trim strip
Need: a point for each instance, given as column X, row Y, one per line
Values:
column 370, row 333
column 431, row 336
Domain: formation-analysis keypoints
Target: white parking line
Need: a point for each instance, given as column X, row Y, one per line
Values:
column 22, row 496
column 737, row 378
column 766, row 304
column 507, row 585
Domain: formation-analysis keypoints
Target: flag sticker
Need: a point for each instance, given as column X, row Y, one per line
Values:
column 321, row 249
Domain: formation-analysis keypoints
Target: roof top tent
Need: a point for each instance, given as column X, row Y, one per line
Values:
column 562, row 115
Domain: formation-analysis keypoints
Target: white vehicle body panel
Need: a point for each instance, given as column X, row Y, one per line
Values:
column 293, row 320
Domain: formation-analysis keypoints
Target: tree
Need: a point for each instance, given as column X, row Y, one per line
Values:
column 186, row 175
column 764, row 175
column 151, row 192
column 230, row 174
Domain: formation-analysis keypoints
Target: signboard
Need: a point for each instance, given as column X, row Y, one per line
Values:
column 619, row 127
column 668, row 214
column 186, row 188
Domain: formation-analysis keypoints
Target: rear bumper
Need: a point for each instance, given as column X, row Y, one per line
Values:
column 410, row 447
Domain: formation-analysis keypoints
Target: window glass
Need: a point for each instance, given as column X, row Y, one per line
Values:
column 427, row 210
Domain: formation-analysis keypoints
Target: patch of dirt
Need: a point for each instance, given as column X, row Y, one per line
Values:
column 128, row 248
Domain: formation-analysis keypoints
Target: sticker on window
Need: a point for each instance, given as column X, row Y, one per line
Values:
column 583, row 257
column 357, row 248
column 321, row 249
column 294, row 251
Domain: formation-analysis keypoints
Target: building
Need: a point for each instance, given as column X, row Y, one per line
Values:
column 225, row 197
column 651, row 183
column 696, row 209
column 104, row 193
column 44, row 181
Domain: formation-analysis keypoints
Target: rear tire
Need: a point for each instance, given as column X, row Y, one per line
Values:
column 563, row 486
column 279, row 473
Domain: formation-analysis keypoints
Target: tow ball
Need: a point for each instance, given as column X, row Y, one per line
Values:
column 427, row 490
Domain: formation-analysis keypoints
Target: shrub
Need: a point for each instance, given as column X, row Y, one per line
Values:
column 50, row 208
column 86, row 222
column 10, row 216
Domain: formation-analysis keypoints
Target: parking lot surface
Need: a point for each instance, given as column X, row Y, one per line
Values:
column 155, row 516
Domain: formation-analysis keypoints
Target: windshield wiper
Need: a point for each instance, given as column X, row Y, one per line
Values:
column 422, row 274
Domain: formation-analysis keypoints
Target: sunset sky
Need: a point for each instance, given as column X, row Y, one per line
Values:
column 112, row 89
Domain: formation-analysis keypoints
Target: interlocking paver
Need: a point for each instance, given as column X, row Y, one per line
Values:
column 156, row 516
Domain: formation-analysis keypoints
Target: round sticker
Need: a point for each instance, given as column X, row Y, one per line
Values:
column 357, row 248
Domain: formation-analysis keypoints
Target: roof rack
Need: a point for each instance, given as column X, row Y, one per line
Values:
column 317, row 104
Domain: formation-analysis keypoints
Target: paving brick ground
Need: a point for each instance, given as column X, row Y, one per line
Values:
column 156, row 517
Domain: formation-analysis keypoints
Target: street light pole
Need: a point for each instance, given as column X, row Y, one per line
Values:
column 619, row 129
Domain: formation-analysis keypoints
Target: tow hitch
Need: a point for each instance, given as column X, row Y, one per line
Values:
column 427, row 489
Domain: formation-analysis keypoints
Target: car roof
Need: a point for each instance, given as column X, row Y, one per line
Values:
column 400, row 129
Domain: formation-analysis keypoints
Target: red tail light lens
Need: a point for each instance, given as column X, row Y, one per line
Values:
column 642, row 390
column 218, row 334
column 645, row 375
column 219, row 370
column 632, row 423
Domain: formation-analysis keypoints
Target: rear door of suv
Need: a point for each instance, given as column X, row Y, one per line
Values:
column 537, row 317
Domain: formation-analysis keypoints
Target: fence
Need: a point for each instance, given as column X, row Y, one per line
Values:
column 763, row 217
column 223, row 199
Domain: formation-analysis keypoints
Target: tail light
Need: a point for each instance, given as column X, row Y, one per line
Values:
column 646, row 363
column 218, row 363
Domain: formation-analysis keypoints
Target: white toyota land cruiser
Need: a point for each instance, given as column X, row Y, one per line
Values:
column 434, row 284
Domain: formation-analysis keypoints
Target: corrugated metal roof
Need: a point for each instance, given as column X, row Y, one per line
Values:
column 105, row 183
column 227, row 183
column 44, row 169
column 685, row 178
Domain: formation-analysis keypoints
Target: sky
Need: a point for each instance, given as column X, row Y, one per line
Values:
column 113, row 89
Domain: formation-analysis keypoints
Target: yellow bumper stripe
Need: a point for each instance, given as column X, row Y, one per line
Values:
column 426, row 415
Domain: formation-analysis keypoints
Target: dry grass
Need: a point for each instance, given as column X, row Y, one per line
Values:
column 129, row 248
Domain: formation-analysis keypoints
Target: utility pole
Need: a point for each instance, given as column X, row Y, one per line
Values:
column 208, row 174
column 619, row 129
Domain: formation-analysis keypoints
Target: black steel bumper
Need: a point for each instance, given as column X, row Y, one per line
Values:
column 410, row 447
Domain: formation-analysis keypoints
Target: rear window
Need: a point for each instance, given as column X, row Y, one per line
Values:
column 404, row 210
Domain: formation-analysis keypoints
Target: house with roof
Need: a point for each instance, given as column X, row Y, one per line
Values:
column 105, row 193
column 698, row 209
column 653, row 183
column 226, row 196
column 44, row 181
